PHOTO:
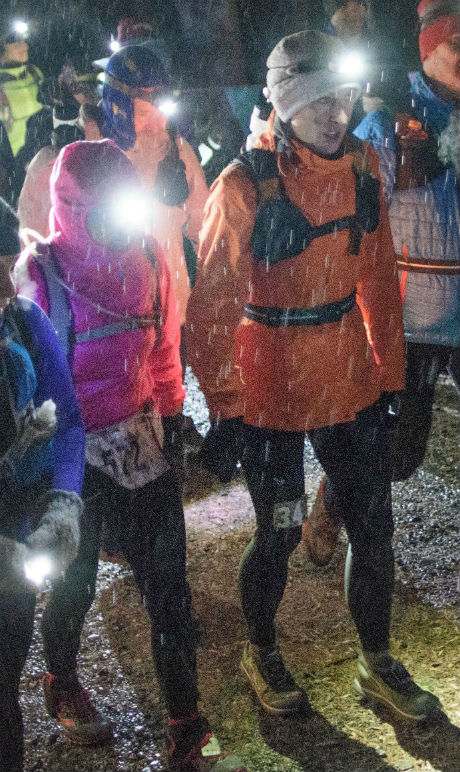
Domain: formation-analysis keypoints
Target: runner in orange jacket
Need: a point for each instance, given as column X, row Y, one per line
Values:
column 294, row 326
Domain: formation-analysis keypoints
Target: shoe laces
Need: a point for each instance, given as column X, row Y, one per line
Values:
column 274, row 670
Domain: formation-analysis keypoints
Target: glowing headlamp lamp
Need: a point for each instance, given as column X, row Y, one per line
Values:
column 129, row 211
column 351, row 64
column 37, row 569
column 20, row 27
column 167, row 106
column 114, row 45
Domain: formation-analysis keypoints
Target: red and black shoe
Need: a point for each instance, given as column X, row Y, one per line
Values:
column 70, row 704
column 192, row 747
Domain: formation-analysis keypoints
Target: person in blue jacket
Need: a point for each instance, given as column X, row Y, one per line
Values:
column 42, row 457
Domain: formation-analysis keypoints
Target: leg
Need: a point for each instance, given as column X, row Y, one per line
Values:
column 453, row 367
column 354, row 457
column 16, row 625
column 273, row 464
column 409, row 435
column 71, row 598
column 154, row 543
column 63, row 620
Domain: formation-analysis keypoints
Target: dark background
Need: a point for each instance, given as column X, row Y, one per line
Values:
column 211, row 41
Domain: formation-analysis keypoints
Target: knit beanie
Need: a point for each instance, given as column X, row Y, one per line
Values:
column 9, row 226
column 302, row 68
column 439, row 21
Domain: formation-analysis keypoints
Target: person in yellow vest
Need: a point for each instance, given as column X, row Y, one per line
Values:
column 19, row 81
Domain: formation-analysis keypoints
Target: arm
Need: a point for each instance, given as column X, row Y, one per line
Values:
column 165, row 366
column 379, row 299
column 198, row 191
column 54, row 382
column 378, row 130
column 29, row 280
column 222, row 286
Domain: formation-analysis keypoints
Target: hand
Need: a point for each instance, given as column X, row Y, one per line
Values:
column 173, row 446
column 58, row 531
column 222, row 448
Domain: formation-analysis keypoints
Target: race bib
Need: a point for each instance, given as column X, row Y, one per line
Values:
column 130, row 451
column 289, row 514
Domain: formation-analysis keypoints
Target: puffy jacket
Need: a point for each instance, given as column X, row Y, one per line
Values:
column 20, row 83
column 294, row 378
column 425, row 226
column 116, row 375
column 63, row 459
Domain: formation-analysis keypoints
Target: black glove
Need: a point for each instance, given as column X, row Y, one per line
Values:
column 222, row 447
column 58, row 530
column 173, row 445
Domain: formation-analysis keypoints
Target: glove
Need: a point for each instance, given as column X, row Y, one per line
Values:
column 58, row 531
column 13, row 555
column 222, row 448
column 173, row 446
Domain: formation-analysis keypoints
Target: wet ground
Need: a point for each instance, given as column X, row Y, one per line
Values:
column 341, row 734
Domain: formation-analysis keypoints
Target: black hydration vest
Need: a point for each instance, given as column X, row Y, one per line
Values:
column 281, row 230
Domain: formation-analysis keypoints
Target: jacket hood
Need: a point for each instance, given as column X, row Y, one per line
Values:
column 85, row 176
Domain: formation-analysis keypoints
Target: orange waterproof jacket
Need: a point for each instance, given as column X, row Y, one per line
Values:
column 294, row 378
column 169, row 223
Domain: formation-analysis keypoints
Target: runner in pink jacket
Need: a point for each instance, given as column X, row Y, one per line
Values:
column 109, row 294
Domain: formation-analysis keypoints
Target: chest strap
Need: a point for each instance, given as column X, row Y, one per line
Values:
column 272, row 316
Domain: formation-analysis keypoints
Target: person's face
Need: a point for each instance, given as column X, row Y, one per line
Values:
column 348, row 20
column 16, row 52
column 7, row 288
column 443, row 65
column 322, row 124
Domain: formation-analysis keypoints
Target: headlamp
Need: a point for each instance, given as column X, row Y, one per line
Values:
column 129, row 211
column 167, row 107
column 114, row 45
column 125, row 216
column 351, row 64
column 20, row 27
column 37, row 569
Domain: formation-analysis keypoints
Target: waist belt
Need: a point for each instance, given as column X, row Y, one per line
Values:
column 123, row 325
column 446, row 267
column 272, row 316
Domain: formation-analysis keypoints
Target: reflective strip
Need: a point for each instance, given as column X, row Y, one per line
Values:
column 124, row 325
column 427, row 266
column 272, row 316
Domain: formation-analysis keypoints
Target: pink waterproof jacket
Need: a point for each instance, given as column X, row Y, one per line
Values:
column 115, row 372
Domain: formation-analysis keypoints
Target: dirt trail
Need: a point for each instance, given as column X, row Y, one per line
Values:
column 316, row 635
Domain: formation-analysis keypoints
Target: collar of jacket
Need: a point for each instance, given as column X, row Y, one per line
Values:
column 278, row 138
column 430, row 109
